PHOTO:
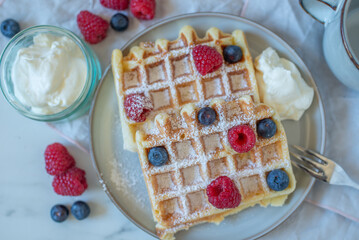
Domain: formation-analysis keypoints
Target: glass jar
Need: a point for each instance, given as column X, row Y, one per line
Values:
column 24, row 39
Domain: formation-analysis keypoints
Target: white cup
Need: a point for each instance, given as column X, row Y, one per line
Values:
column 341, row 36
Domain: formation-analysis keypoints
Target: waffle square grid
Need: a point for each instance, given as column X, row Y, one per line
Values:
column 164, row 71
column 199, row 154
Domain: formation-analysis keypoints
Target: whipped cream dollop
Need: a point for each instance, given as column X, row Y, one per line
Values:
column 281, row 85
column 50, row 74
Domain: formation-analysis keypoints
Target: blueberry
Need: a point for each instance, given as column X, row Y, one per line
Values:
column 232, row 54
column 119, row 22
column 10, row 27
column 158, row 156
column 277, row 180
column 80, row 210
column 206, row 116
column 59, row 213
column 266, row 128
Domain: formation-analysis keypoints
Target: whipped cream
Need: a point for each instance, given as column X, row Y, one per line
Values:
column 50, row 74
column 281, row 85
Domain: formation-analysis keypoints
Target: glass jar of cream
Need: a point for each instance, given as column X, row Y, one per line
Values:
column 48, row 73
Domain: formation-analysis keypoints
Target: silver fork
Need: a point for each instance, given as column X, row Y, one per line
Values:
column 321, row 167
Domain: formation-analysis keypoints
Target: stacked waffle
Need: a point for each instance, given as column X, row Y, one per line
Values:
column 182, row 157
column 164, row 72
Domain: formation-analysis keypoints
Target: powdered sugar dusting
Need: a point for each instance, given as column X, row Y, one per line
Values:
column 171, row 208
column 197, row 201
column 191, row 175
column 164, row 183
column 177, row 123
column 251, row 185
column 213, row 88
column 271, row 153
column 161, row 98
column 239, row 82
column 169, row 76
column 181, row 66
column 131, row 79
column 187, row 93
column 126, row 182
column 185, row 150
column 218, row 167
column 195, row 161
column 125, row 172
column 156, row 73
column 137, row 107
column 212, row 143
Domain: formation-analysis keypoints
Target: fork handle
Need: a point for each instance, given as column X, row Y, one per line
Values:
column 353, row 184
column 340, row 177
column 349, row 182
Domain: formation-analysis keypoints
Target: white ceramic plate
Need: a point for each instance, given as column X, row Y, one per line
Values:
column 120, row 173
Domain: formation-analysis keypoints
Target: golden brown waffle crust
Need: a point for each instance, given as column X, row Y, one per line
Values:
column 171, row 206
column 233, row 80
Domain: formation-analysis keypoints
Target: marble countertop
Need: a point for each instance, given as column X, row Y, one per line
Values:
column 26, row 194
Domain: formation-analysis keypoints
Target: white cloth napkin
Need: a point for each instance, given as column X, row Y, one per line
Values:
column 284, row 17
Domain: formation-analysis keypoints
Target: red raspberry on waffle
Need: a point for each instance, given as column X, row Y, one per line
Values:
column 223, row 193
column 206, row 59
column 137, row 107
column 242, row 138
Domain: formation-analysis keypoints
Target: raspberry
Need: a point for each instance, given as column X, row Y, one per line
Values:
column 115, row 4
column 92, row 27
column 70, row 183
column 242, row 138
column 57, row 159
column 143, row 9
column 137, row 107
column 223, row 193
column 206, row 59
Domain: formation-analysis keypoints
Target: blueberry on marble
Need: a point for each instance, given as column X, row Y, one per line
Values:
column 277, row 180
column 59, row 213
column 158, row 156
column 80, row 210
column 266, row 128
column 9, row 28
column 119, row 22
column 206, row 116
column 232, row 53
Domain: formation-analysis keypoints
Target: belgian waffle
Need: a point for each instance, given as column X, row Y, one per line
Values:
column 198, row 154
column 164, row 71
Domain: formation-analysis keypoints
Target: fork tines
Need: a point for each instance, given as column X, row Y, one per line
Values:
column 317, row 166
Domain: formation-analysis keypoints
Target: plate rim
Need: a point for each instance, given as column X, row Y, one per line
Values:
column 207, row 14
